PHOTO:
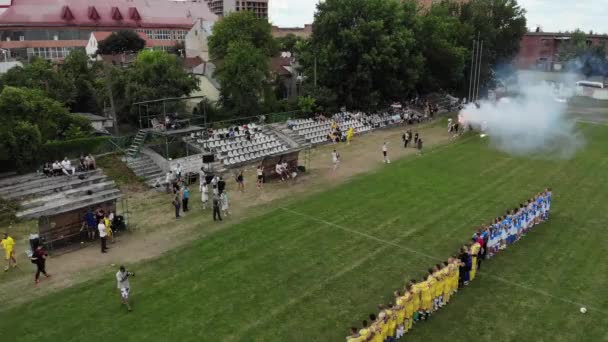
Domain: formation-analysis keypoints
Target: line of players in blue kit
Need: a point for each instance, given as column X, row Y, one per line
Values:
column 512, row 226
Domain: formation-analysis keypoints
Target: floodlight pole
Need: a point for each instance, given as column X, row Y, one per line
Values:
column 472, row 68
column 479, row 73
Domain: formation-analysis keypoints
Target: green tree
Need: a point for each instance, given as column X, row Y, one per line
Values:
column 244, row 27
column 23, row 142
column 125, row 41
column 83, row 74
column 288, row 43
column 242, row 74
column 153, row 75
column 439, row 33
column 580, row 55
column 241, row 46
column 306, row 104
column 363, row 51
column 501, row 25
column 41, row 74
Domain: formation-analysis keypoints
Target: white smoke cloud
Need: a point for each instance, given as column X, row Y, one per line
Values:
column 533, row 123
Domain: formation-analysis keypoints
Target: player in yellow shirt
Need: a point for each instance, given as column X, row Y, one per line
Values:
column 391, row 316
column 400, row 309
column 474, row 254
column 408, row 303
column 365, row 331
column 416, row 289
column 354, row 336
column 439, row 275
column 447, row 282
column 426, row 296
column 349, row 135
column 9, row 251
column 377, row 329
column 456, row 264
column 434, row 285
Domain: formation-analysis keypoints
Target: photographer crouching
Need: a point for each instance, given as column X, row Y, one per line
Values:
column 122, row 279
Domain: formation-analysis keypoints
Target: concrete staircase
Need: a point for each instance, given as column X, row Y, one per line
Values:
column 292, row 138
column 39, row 195
column 137, row 144
column 144, row 167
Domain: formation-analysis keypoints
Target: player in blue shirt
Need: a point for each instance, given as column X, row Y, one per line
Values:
column 548, row 195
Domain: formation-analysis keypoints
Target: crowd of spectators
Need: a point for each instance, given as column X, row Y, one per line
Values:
column 65, row 167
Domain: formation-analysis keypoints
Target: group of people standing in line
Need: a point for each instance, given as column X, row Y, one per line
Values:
column 218, row 197
column 419, row 299
column 99, row 223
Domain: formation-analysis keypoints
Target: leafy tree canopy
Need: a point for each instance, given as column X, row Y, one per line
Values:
column 241, row 26
column 121, row 42
column 242, row 74
column 364, row 51
column 41, row 74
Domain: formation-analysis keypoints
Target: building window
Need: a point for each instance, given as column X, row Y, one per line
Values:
column 50, row 52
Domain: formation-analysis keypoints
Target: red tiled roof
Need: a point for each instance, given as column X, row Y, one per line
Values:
column 192, row 62
column 15, row 44
column 277, row 65
column 110, row 13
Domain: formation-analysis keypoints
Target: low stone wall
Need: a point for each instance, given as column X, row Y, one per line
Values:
column 191, row 163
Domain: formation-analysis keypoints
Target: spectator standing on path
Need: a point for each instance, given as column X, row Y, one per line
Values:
column 204, row 188
column 335, row 159
column 385, row 153
column 416, row 138
column 224, row 203
column 169, row 180
column 240, row 181
column 91, row 224
column 260, row 173
column 216, row 209
column 39, row 259
column 214, row 182
column 221, row 185
column 122, row 281
column 419, row 146
column 8, row 243
column 176, row 205
column 103, row 233
column 185, row 198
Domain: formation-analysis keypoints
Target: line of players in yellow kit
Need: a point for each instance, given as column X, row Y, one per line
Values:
column 417, row 302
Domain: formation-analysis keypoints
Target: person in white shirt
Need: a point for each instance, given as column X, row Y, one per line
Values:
column 57, row 168
column 260, row 173
column 169, row 181
column 122, row 283
column 214, row 181
column 178, row 171
column 285, row 168
column 224, row 202
column 385, row 153
column 335, row 158
column 204, row 188
column 102, row 235
column 67, row 167
column 279, row 170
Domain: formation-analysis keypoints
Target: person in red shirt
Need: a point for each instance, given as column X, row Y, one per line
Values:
column 39, row 258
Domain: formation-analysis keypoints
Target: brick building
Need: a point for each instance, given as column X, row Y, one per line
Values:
column 540, row 50
column 303, row 32
column 51, row 28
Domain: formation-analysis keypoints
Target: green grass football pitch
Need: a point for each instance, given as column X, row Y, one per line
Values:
column 312, row 267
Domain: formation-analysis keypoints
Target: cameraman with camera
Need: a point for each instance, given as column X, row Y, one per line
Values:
column 122, row 279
